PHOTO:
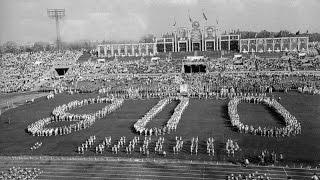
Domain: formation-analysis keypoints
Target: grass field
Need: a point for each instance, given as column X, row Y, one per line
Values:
column 203, row 118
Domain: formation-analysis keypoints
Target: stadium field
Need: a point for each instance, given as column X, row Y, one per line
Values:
column 203, row 117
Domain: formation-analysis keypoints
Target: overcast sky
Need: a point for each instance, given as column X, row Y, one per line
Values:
column 27, row 21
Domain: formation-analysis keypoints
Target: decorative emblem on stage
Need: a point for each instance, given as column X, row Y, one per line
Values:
column 195, row 25
column 209, row 32
column 182, row 34
column 196, row 33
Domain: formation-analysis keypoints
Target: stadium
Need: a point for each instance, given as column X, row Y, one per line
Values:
column 193, row 104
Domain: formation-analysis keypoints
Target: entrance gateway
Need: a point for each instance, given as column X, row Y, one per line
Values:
column 194, row 64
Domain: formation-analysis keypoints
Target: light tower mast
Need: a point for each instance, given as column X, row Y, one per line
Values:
column 57, row 14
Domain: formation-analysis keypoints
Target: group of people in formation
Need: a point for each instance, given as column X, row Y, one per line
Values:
column 270, row 157
column 309, row 90
column 116, row 147
column 137, row 94
column 50, row 96
column 232, row 147
column 159, row 146
column 145, row 146
column 293, row 127
column 132, row 144
column 172, row 123
column 179, row 145
column 82, row 121
column 194, row 145
column 210, row 146
column 106, row 143
column 87, row 144
column 36, row 146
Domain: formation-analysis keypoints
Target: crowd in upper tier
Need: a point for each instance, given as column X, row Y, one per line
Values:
column 22, row 72
column 26, row 71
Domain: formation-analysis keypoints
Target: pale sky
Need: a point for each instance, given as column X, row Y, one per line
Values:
column 27, row 21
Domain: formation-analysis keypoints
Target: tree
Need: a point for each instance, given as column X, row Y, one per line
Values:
column 284, row 33
column 39, row 46
column 314, row 37
column 264, row 34
column 148, row 38
column 10, row 47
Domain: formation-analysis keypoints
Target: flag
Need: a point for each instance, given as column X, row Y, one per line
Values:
column 175, row 22
column 204, row 16
column 189, row 16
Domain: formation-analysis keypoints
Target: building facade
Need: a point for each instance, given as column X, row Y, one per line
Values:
column 204, row 38
column 283, row 44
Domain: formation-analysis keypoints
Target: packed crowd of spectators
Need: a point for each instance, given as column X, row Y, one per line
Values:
column 248, row 176
column 22, row 72
column 21, row 173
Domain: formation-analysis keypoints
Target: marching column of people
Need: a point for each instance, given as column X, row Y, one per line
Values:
column 36, row 146
column 132, row 144
column 309, row 90
column 86, row 145
column 210, row 146
column 106, row 143
column 179, row 145
column 194, row 145
column 159, row 146
column 232, row 147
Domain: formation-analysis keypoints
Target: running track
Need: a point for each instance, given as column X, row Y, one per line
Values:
column 114, row 168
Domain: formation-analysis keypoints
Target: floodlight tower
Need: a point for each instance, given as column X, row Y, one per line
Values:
column 57, row 14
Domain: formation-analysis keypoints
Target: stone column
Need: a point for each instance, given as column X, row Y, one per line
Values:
column 105, row 50
column 147, row 49
column 139, row 49
column 155, row 48
column 132, row 47
column 290, row 48
column 98, row 49
column 229, row 39
column 273, row 44
column 112, row 50
column 126, row 49
column 202, row 41
column 205, row 45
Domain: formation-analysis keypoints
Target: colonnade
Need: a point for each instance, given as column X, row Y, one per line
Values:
column 274, row 44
